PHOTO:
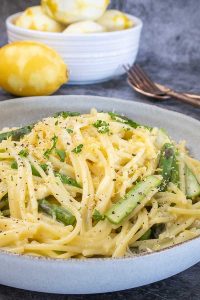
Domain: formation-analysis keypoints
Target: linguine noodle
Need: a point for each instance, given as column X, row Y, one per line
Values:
column 101, row 159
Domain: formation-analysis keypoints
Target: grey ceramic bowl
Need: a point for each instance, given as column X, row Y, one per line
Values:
column 74, row 276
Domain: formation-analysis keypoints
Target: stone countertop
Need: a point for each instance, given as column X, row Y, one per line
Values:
column 185, row 285
column 180, row 77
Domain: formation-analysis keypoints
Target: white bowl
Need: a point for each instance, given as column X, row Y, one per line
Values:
column 98, row 275
column 91, row 57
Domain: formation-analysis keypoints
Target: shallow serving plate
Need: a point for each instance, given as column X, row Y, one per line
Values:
column 97, row 275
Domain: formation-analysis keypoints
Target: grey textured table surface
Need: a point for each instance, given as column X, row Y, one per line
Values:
column 170, row 52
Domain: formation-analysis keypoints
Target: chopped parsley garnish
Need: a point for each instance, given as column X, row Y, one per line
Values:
column 66, row 114
column 102, row 126
column 78, row 149
column 69, row 130
column 14, row 165
column 67, row 180
column 35, row 171
column 23, row 153
column 61, row 154
column 44, row 167
column 97, row 216
column 56, row 123
column 48, row 151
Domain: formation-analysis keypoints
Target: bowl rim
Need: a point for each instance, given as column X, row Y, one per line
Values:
column 59, row 35
column 141, row 255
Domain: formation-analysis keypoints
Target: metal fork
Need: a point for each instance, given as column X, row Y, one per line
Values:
column 142, row 83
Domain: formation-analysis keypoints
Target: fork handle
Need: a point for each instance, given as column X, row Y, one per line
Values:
column 183, row 97
column 195, row 96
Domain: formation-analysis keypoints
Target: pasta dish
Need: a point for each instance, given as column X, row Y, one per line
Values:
column 95, row 185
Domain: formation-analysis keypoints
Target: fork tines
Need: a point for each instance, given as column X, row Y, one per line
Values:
column 138, row 78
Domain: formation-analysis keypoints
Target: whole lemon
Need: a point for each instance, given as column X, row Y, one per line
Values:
column 114, row 20
column 70, row 11
column 31, row 69
column 35, row 19
column 84, row 27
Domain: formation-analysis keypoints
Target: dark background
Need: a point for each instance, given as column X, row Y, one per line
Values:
column 170, row 51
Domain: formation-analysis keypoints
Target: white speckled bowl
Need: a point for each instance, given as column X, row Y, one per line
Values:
column 91, row 57
column 97, row 275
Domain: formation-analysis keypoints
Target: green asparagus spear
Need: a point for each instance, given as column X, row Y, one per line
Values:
column 146, row 235
column 119, row 211
column 125, row 120
column 192, row 185
column 61, row 214
column 17, row 133
column 165, row 164
column 175, row 178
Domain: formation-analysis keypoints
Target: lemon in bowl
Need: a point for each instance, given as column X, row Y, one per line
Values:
column 35, row 19
column 84, row 27
column 114, row 20
column 70, row 11
column 31, row 69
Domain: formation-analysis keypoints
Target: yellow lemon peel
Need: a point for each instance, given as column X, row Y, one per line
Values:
column 70, row 11
column 114, row 20
column 35, row 19
column 31, row 69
